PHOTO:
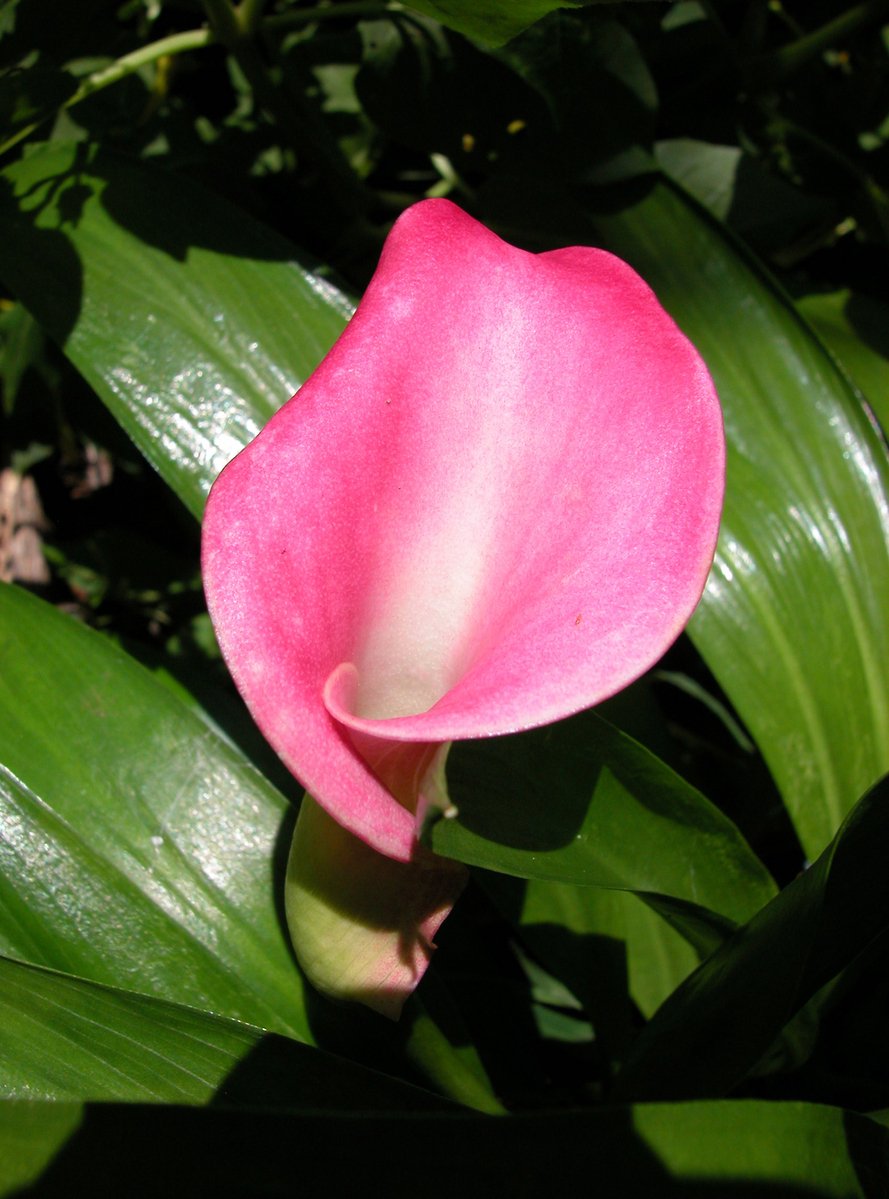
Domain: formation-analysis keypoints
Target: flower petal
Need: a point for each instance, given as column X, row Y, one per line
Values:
column 493, row 504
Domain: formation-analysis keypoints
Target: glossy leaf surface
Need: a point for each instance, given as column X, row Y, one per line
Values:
column 192, row 322
column 66, row 1039
column 139, row 847
column 581, row 802
column 794, row 621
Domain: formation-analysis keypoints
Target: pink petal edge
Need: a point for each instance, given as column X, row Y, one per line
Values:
column 495, row 503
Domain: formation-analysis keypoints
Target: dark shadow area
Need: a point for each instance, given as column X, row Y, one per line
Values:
column 141, row 1150
column 848, row 1061
column 594, row 968
column 473, row 957
column 696, row 730
column 43, row 195
column 501, row 786
column 868, row 318
column 476, row 959
column 280, row 1073
column 40, row 261
column 172, row 213
column 280, row 856
column 869, row 1151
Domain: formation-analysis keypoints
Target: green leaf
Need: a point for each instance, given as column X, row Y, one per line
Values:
column 31, row 91
column 855, row 328
column 31, row 1133
column 794, row 622
column 140, row 849
column 190, row 320
column 67, row 1039
column 668, row 1151
column 582, row 802
column 21, row 342
column 715, row 1029
column 491, row 21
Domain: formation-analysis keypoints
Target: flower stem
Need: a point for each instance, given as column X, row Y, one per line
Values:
column 778, row 66
column 249, row 13
column 176, row 43
column 240, row 24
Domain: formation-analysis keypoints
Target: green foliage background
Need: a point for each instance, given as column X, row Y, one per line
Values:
column 669, row 975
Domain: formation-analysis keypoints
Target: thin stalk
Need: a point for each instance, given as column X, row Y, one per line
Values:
column 176, row 43
column 240, row 23
column 249, row 13
column 874, row 194
column 778, row 66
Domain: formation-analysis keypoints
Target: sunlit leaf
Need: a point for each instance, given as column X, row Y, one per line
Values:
column 191, row 321
column 581, row 802
column 139, row 848
column 794, row 622
column 66, row 1039
column 856, row 328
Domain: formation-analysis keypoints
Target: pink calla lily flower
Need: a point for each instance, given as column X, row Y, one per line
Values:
column 493, row 504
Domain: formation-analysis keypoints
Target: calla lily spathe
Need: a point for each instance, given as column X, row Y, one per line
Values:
column 493, row 504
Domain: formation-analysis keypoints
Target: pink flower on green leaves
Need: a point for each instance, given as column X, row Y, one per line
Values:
column 493, row 504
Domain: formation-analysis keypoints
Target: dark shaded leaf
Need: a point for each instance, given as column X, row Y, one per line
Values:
column 581, row 802
column 714, row 1030
column 695, row 1151
column 67, row 1039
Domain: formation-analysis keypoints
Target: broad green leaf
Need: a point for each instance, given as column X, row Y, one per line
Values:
column 794, row 621
column 668, row 1151
column 715, row 1029
column 143, row 851
column 582, row 802
column 31, row 1133
column 68, row 1039
column 491, row 21
column 856, row 329
column 190, row 320
column 655, row 958
column 139, row 848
